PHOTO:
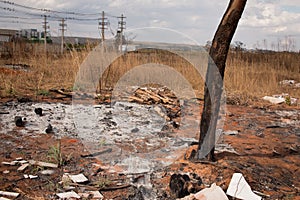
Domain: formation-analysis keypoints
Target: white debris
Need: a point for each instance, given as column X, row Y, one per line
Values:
column 96, row 194
column 79, row 178
column 30, row 176
column 9, row 194
column 43, row 164
column 3, row 198
column 287, row 82
column 6, row 172
column 47, row 172
column 23, row 167
column 239, row 188
column 68, row 195
column 22, row 161
column 231, row 132
column 212, row 193
column 274, row 100
column 12, row 163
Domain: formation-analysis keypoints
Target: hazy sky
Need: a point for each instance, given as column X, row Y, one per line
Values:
column 265, row 23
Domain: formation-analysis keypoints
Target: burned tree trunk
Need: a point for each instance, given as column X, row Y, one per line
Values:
column 214, row 77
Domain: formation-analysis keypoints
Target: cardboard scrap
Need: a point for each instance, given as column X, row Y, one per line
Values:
column 239, row 188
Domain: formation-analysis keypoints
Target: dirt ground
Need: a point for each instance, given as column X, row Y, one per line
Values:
column 266, row 141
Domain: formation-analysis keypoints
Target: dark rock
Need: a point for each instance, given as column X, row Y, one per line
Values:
column 135, row 130
column 179, row 185
column 183, row 185
column 38, row 111
column 49, row 129
column 19, row 121
column 24, row 100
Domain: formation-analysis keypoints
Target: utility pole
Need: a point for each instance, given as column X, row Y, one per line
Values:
column 121, row 27
column 63, row 29
column 45, row 26
column 103, row 25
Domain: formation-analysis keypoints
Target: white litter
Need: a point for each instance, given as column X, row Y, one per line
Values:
column 3, row 198
column 79, row 178
column 274, row 100
column 23, row 167
column 212, row 193
column 239, row 188
column 43, row 164
column 68, row 195
column 9, row 194
column 287, row 82
column 30, row 176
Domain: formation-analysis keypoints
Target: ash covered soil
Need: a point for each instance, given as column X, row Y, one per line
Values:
column 260, row 141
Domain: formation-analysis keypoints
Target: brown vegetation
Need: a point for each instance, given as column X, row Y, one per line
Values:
column 248, row 76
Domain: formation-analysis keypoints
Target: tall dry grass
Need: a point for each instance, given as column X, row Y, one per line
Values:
column 252, row 75
column 248, row 75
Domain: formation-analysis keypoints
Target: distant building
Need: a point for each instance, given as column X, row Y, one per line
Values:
column 29, row 34
column 7, row 35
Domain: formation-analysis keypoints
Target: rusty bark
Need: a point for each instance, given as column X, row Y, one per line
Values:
column 214, row 85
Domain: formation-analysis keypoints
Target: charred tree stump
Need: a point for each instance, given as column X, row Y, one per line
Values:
column 214, row 85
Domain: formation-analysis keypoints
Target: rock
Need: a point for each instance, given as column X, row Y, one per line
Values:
column 38, row 111
column 179, row 185
column 49, row 129
column 19, row 121
column 135, row 130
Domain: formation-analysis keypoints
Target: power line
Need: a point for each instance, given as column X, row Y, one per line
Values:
column 18, row 22
column 48, row 10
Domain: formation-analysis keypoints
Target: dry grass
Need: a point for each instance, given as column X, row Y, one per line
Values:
column 249, row 75
column 253, row 75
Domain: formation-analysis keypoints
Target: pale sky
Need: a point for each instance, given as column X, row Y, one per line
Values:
column 265, row 23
